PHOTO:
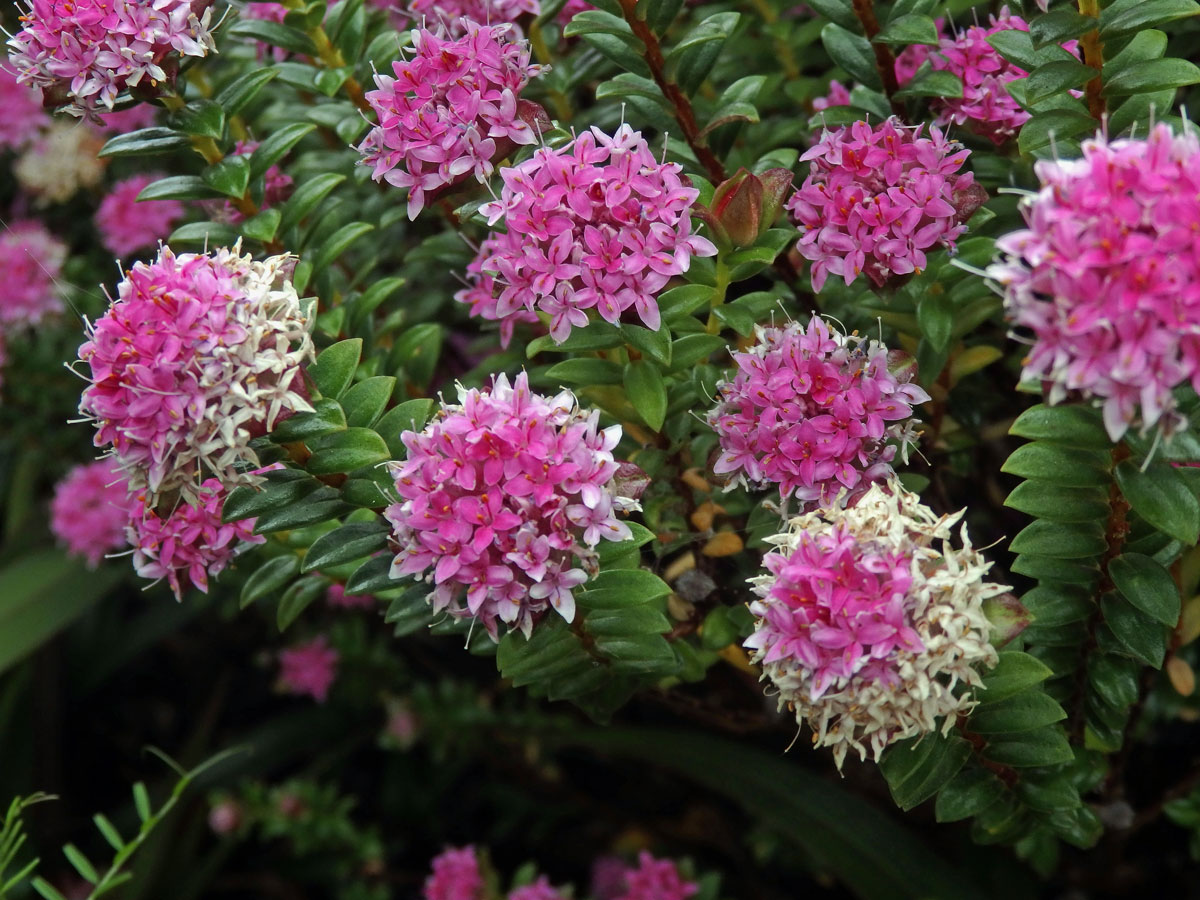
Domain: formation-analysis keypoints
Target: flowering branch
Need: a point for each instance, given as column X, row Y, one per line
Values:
column 885, row 62
column 1093, row 56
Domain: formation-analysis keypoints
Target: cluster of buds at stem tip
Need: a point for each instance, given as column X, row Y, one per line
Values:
column 745, row 206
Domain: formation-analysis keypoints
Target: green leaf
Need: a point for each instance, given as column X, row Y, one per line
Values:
column 586, row 371
column 693, row 348
column 1146, row 585
column 1145, row 14
column 409, row 612
column 408, row 416
column 839, row 11
column 319, row 506
column 1044, row 128
column 334, row 369
column 611, row 36
column 1054, row 78
column 918, row 768
column 239, row 92
column 207, row 233
column 307, row 196
column 326, row 418
column 373, row 576
column 1021, row 712
column 1016, row 672
column 268, row 578
column 654, row 344
column 365, row 402
column 1142, row 637
column 1042, row 747
column 231, row 176
column 853, row 53
column 417, row 350
column 1017, row 47
column 346, row 451
column 969, row 793
column 935, row 315
column 691, row 59
column 621, row 588
column 607, row 551
column 1048, row 568
column 931, row 83
column 1055, row 605
column 1114, row 678
column 1061, row 541
column 47, row 890
column 626, row 621
column 647, row 392
column 296, row 599
column 1152, row 75
column 1067, row 467
column 141, row 801
column 599, row 335
column 276, row 145
column 145, row 142
column 1069, row 426
column 263, row 226
column 1059, row 25
column 282, row 487
column 909, row 29
column 179, row 187
column 201, row 117
column 1044, row 500
column 1161, row 497
column 338, row 243
column 346, row 544
column 639, row 654
column 274, row 33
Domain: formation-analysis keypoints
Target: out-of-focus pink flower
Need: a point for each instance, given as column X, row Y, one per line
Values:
column 133, row 118
column 309, row 668
column 31, row 260
column 656, row 879
column 126, row 225
column 456, row 876
column 337, row 596
column 24, row 116
column 541, row 889
column 839, row 95
column 225, row 816
column 90, row 510
column 60, row 161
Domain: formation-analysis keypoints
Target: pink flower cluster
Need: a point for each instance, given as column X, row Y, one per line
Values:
column 1106, row 277
column 503, row 499
column 839, row 95
column 24, row 116
column 31, row 260
column 189, row 542
column 125, row 225
column 809, row 410
column 309, row 668
column 453, row 15
column 442, row 115
column 596, row 224
column 877, row 198
column 90, row 510
column 97, row 48
column 199, row 354
column 456, row 876
column 656, row 879
column 481, row 292
column 541, row 889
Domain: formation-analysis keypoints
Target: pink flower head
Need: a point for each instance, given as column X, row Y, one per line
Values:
column 866, row 628
column 1106, row 277
column 187, row 542
column 132, row 118
column 878, row 198
column 597, row 224
column 91, row 50
column 815, row 412
column 90, row 510
column 125, row 225
column 503, row 500
column 538, row 890
column 448, row 110
column 309, row 668
column 456, row 875
column 656, row 879
column 481, row 293
column 30, row 260
column 24, row 116
column 453, row 15
column 337, row 596
column 839, row 95
column 198, row 354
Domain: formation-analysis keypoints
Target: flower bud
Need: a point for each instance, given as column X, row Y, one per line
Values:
column 745, row 206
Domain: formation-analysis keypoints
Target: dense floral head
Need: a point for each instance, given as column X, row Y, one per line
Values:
column 125, row 225
column 31, row 261
column 865, row 627
column 456, row 875
column 187, row 542
column 449, row 110
column 503, row 500
column 91, row 50
column 656, row 879
column 24, row 116
column 308, row 669
column 61, row 161
column 541, row 889
column 481, row 292
column 1107, row 277
column 597, row 224
column 877, row 198
column 198, row 354
column 90, row 510
column 454, row 15
column 815, row 412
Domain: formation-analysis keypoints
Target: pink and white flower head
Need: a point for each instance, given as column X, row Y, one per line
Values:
column 541, row 889
column 198, row 354
column 31, row 260
column 481, row 293
column 866, row 627
column 448, row 109
column 309, row 669
column 456, row 875
column 1106, row 277
column 90, row 510
column 186, row 543
column 61, row 161
column 24, row 116
column 92, row 50
column 878, row 198
column 504, row 498
column 126, row 225
column 597, row 224
column 815, row 412
column 656, row 879
column 453, row 15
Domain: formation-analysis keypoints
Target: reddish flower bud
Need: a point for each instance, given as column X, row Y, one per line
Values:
column 745, row 206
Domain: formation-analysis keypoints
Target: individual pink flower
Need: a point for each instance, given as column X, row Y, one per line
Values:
column 537, row 890
column 225, row 817
column 446, row 112
column 31, row 260
column 309, row 668
column 127, row 225
column 571, row 9
column 1106, row 277
column 24, row 116
column 839, row 95
column 865, row 627
column 910, row 59
column 187, row 542
column 456, row 875
column 656, row 879
column 337, row 596
column 815, row 412
column 503, row 501
column 453, row 15
column 481, row 292
column 132, row 118
column 198, row 354
column 878, row 198
column 92, row 50
column 596, row 224
column 90, row 510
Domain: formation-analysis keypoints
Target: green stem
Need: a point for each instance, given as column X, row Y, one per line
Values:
column 885, row 62
column 714, row 324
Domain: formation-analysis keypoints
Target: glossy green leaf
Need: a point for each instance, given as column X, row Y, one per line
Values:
column 208, row 234
column 296, row 599
column 611, row 36
column 268, row 578
column 1139, row 635
column 1128, row 18
column 839, row 11
column 935, row 314
column 345, row 544
column 970, row 792
column 1058, row 26
column 408, row 416
column 1042, row 747
column 586, row 371
column 334, row 369
column 1068, row 425
column 230, row 177
column 1017, row 47
column 1161, row 497
column 275, row 146
column 373, row 576
column 318, row 506
column 1061, row 541
column 1059, row 504
column 307, row 196
column 1152, row 75
column 655, row 345
column 1146, row 585
column 619, row 588
column 203, row 118
column 326, row 418
column 338, row 243
column 852, row 52
column 346, row 451
column 647, row 392
column 179, row 187
column 365, row 402
column 909, row 29
column 918, row 768
column 693, row 348
column 931, row 83
column 145, row 142
column 1044, row 128
column 694, row 54
column 1021, row 712
column 273, row 33
column 1016, row 672
column 262, row 227
column 410, row 612
column 1064, row 466
column 1055, row 78
column 239, row 92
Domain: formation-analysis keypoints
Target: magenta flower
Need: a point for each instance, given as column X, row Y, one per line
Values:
column 537, row 890
column 449, row 110
column 656, row 879
column 481, row 292
column 187, row 543
column 456, row 875
column 125, row 225
column 865, row 628
column 503, row 501
column 24, row 116
column 839, row 95
column 198, row 354
column 91, row 50
column 132, row 118
column 1106, row 277
column 877, row 199
column 597, row 224
column 815, row 412
column 309, row 668
column 336, row 596
column 90, row 510
column 31, row 260
column 453, row 15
